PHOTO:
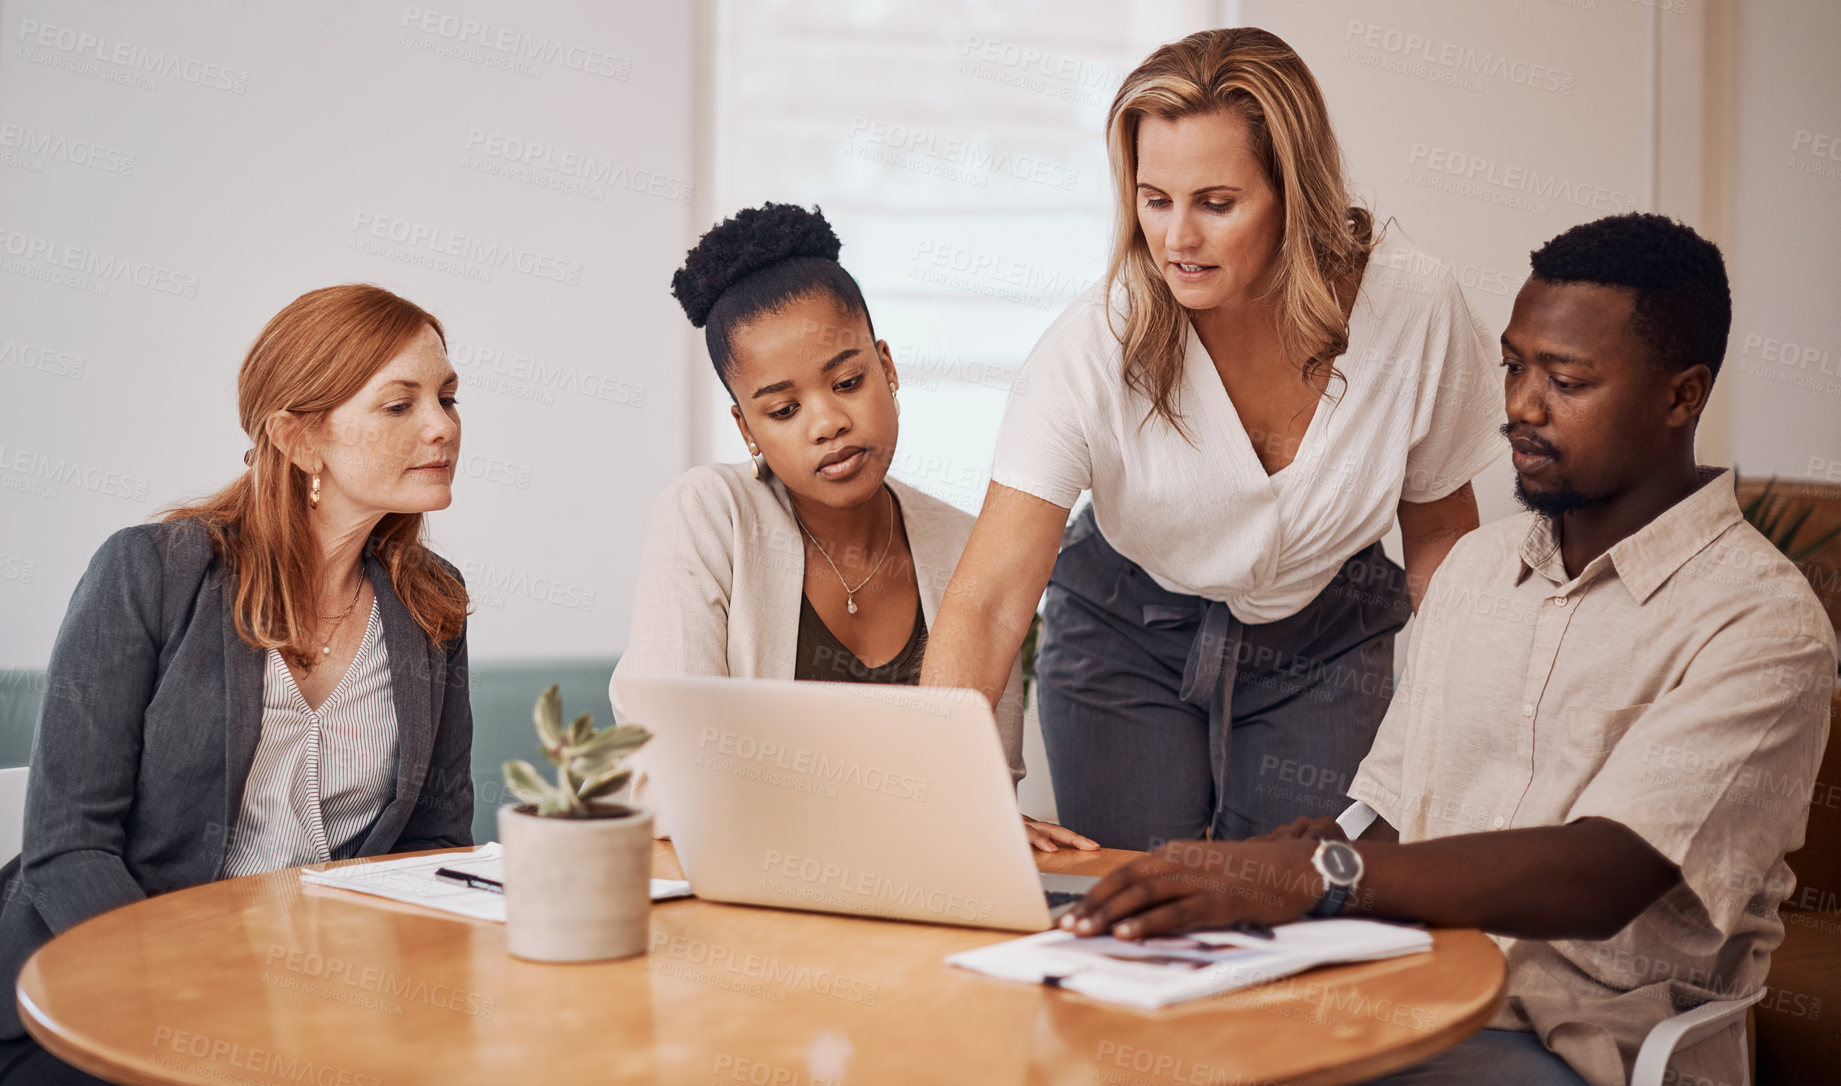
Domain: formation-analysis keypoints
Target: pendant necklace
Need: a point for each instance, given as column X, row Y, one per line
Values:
column 326, row 645
column 850, row 594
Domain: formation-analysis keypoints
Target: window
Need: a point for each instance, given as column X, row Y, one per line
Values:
column 958, row 150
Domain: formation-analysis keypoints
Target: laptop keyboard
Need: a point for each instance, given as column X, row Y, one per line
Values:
column 1058, row 898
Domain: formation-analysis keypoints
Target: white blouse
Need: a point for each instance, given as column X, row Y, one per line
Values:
column 319, row 779
column 1418, row 418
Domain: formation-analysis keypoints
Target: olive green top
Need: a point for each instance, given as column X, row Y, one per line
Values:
column 821, row 657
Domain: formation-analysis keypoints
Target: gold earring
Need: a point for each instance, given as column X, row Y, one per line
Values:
column 895, row 394
column 754, row 458
column 313, row 495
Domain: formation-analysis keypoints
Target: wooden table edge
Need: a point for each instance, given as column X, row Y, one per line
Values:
column 1399, row 1059
column 46, row 1034
column 45, row 1031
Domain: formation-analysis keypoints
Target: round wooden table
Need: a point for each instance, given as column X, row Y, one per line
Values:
column 262, row 980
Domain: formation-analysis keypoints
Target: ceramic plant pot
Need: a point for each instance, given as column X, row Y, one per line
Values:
column 577, row 889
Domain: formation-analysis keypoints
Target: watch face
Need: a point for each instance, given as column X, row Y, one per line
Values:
column 1341, row 862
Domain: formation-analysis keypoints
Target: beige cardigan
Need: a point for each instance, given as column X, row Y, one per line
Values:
column 723, row 571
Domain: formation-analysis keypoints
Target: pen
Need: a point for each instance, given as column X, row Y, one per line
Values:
column 1247, row 927
column 477, row 882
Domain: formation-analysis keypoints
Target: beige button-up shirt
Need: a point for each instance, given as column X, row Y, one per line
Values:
column 1678, row 685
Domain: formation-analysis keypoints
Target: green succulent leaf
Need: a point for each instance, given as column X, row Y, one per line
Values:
column 605, row 784
column 579, row 730
column 587, row 761
column 584, row 769
column 522, row 779
column 620, row 740
column 549, row 717
column 555, row 805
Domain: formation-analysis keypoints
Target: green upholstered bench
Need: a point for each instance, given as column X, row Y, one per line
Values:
column 503, row 693
column 22, row 691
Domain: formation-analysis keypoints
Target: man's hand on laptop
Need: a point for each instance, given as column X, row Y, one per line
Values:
column 1049, row 837
column 1187, row 885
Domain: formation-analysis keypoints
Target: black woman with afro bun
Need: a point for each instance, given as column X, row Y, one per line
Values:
column 805, row 560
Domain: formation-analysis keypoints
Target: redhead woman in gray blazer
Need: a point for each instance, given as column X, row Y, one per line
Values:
column 275, row 676
column 807, row 562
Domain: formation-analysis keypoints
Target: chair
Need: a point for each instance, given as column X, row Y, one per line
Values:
column 1790, row 1048
column 1681, row 1031
column 1684, row 1030
column 12, row 811
column 1795, row 1027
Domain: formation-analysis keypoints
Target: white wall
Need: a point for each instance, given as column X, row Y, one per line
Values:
column 115, row 404
column 1482, row 130
column 275, row 148
column 1726, row 115
column 1783, row 370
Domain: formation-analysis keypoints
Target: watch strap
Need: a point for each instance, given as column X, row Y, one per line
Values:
column 1332, row 901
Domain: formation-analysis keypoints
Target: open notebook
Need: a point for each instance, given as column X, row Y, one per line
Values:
column 413, row 880
column 1160, row 971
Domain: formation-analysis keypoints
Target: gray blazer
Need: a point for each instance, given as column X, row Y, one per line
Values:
column 149, row 729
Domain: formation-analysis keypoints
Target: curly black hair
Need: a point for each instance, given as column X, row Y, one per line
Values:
column 1683, row 305
column 757, row 262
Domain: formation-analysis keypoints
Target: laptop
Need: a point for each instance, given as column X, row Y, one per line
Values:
column 871, row 800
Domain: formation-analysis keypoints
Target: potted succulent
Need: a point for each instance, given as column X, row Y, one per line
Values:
column 578, row 869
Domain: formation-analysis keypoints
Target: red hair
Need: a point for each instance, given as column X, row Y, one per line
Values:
column 314, row 355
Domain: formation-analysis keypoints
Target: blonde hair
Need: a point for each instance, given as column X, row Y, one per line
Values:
column 1252, row 74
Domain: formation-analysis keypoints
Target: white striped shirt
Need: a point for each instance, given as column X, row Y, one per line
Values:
column 319, row 779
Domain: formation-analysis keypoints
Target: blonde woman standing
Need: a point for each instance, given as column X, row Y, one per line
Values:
column 1255, row 392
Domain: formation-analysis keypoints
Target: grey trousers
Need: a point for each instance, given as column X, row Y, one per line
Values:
column 1492, row 1055
column 22, row 1061
column 1165, row 717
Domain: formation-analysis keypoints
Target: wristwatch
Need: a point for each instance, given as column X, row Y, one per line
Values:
column 1341, row 868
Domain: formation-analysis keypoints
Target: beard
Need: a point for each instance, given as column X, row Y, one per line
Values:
column 1563, row 497
column 1552, row 503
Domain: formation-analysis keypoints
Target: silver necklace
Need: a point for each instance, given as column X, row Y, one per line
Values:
column 850, row 594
